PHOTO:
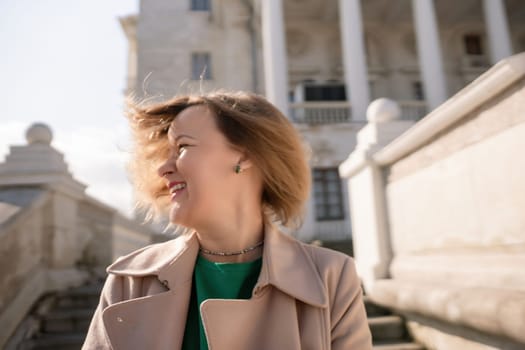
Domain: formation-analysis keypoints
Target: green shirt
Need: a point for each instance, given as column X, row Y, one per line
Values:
column 216, row 281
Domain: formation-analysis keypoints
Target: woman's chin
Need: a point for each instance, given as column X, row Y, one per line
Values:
column 177, row 217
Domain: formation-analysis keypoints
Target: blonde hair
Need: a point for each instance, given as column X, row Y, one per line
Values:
column 249, row 122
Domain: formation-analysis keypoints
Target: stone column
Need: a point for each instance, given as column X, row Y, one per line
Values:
column 274, row 51
column 354, row 57
column 497, row 29
column 429, row 50
column 366, row 190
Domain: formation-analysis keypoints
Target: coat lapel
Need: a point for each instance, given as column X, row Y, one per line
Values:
column 288, row 267
column 154, row 321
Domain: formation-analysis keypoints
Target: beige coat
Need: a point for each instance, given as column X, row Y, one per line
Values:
column 306, row 297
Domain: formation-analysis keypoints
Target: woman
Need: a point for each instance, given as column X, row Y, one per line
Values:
column 231, row 169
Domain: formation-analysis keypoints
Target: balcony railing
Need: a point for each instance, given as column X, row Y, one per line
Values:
column 412, row 109
column 329, row 112
column 332, row 112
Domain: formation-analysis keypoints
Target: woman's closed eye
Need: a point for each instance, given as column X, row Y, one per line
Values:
column 182, row 147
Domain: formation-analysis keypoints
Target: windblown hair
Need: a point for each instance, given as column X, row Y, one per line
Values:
column 248, row 122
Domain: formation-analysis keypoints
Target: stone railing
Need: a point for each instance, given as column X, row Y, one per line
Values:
column 330, row 112
column 30, row 245
column 412, row 109
column 40, row 254
column 439, row 233
column 333, row 112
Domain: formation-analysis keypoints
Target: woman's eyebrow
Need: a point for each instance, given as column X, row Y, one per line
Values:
column 183, row 135
column 174, row 140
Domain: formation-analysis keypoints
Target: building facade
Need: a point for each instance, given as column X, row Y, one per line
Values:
column 322, row 62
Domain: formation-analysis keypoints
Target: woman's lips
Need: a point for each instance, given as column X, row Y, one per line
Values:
column 176, row 188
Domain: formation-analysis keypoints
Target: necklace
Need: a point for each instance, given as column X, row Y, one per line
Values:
column 240, row 252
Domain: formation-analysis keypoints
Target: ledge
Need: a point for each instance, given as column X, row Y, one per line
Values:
column 490, row 310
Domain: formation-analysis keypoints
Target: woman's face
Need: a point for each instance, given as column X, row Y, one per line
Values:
column 200, row 170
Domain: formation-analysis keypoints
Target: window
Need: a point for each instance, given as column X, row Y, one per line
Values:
column 327, row 194
column 331, row 92
column 417, row 91
column 200, row 5
column 200, row 66
column 472, row 43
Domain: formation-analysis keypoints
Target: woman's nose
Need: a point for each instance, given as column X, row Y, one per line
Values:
column 167, row 168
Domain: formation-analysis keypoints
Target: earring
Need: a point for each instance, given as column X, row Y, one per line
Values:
column 238, row 168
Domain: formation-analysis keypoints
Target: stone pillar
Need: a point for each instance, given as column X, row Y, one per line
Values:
column 497, row 29
column 274, row 51
column 354, row 57
column 429, row 50
column 366, row 191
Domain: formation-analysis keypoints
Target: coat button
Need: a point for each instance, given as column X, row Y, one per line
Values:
column 119, row 319
column 165, row 283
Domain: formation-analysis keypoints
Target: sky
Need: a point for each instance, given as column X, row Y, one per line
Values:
column 64, row 63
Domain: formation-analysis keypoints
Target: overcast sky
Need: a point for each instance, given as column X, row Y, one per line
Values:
column 64, row 63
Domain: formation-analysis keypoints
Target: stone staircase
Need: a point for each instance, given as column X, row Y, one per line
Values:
column 388, row 330
column 60, row 320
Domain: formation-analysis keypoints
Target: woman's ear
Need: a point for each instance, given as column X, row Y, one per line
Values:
column 245, row 161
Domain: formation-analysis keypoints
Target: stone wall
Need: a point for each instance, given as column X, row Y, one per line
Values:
column 463, row 194
column 95, row 221
column 129, row 235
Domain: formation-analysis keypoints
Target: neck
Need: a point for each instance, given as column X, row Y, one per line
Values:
column 236, row 236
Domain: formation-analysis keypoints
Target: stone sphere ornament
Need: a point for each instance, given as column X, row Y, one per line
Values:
column 39, row 133
column 383, row 110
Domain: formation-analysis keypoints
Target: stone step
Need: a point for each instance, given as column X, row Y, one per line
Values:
column 373, row 310
column 67, row 320
column 76, row 302
column 399, row 346
column 387, row 328
column 70, row 341
column 81, row 297
column 85, row 290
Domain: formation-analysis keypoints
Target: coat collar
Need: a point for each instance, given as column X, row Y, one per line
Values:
column 287, row 265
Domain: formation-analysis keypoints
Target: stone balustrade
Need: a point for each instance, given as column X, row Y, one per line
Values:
column 334, row 112
column 438, row 224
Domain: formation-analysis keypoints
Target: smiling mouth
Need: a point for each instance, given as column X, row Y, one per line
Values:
column 175, row 188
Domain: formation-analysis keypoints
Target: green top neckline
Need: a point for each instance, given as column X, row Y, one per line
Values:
column 202, row 262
